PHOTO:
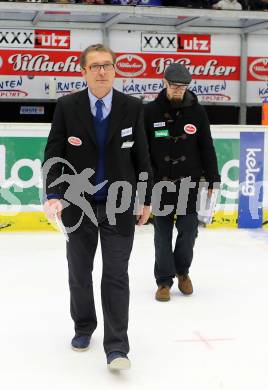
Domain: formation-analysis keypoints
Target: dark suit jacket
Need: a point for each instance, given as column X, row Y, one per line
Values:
column 73, row 118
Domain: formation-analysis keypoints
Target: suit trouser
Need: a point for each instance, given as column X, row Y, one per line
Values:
column 116, row 251
column 169, row 262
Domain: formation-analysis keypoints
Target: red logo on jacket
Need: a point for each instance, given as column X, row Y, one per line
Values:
column 190, row 129
column 74, row 141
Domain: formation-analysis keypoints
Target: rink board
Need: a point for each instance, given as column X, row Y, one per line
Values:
column 21, row 154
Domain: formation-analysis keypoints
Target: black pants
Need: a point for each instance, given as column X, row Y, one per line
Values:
column 169, row 262
column 116, row 251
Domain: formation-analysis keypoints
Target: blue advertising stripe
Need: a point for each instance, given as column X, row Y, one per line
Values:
column 251, row 180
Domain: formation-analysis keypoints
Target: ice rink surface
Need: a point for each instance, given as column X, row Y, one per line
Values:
column 215, row 339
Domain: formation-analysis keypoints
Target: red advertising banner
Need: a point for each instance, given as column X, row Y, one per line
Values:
column 142, row 65
column 152, row 65
column 258, row 69
column 45, row 63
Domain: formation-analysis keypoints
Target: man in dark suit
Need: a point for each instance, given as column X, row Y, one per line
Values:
column 98, row 139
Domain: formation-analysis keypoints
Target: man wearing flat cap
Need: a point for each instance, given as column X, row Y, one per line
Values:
column 182, row 152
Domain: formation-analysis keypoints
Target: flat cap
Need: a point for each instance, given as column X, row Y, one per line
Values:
column 177, row 73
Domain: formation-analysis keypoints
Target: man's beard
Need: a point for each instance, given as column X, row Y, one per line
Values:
column 176, row 102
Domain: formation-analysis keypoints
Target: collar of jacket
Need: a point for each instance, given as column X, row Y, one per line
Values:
column 83, row 110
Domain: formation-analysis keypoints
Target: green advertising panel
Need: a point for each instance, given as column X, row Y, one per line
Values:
column 228, row 153
column 21, row 158
column 20, row 169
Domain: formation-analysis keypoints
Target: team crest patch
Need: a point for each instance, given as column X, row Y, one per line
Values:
column 190, row 129
column 74, row 141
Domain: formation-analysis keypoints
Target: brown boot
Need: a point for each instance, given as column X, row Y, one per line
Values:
column 185, row 284
column 162, row 293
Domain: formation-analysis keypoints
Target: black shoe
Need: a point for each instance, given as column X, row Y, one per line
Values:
column 80, row 343
column 118, row 361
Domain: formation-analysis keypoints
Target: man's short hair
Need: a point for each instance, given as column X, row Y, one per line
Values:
column 97, row 47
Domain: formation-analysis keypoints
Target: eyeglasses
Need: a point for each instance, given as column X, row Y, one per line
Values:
column 177, row 86
column 97, row 67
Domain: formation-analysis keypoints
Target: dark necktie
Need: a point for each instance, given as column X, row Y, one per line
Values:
column 99, row 113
